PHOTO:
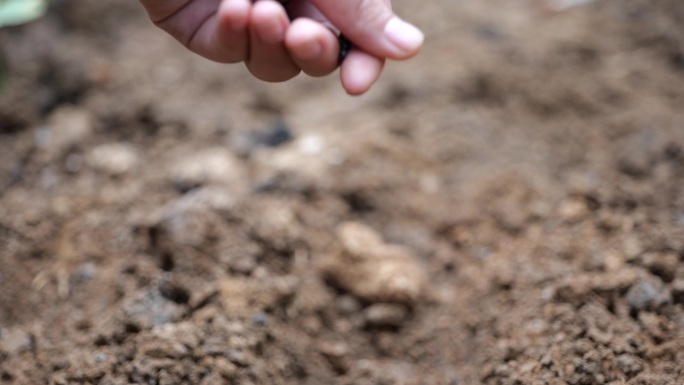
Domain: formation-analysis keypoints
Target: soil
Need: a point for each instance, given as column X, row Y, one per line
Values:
column 506, row 208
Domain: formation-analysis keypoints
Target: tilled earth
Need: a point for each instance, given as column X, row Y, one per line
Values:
column 507, row 208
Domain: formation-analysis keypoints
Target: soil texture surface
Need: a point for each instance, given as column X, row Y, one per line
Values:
column 506, row 208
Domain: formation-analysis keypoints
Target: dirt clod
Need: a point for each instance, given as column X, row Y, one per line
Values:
column 113, row 159
column 381, row 314
column 373, row 270
column 648, row 293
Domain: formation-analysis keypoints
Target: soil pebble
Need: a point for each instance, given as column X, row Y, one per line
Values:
column 169, row 341
column 573, row 210
column 213, row 165
column 630, row 364
column 638, row 154
column 373, row 270
column 151, row 309
column 15, row 341
column 113, row 159
column 385, row 315
column 274, row 135
column 67, row 126
column 337, row 355
column 648, row 293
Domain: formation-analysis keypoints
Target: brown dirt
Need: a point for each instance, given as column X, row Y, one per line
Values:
column 165, row 220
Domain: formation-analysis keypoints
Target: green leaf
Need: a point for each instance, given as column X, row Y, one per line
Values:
column 14, row 12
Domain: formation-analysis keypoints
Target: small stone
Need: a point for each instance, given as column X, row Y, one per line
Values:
column 573, row 210
column 260, row 318
column 347, row 304
column 190, row 220
column 114, row 159
column 244, row 265
column 385, row 314
column 163, row 349
column 337, row 355
column 274, row 135
column 304, row 159
column 169, row 341
column 15, row 341
column 67, row 126
column 237, row 357
column 630, row 365
column 277, row 134
column 372, row 270
column 632, row 247
column 647, row 294
column 311, row 145
column 536, row 327
column 613, row 261
column 215, row 165
column 226, row 368
column 150, row 309
column 634, row 159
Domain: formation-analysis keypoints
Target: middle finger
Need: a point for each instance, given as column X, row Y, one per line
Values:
column 268, row 58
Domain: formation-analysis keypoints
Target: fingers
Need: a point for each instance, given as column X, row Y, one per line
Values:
column 261, row 35
column 373, row 27
column 360, row 71
column 228, row 42
column 313, row 47
column 268, row 58
column 216, row 30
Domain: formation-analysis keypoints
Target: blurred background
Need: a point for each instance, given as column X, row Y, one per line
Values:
column 168, row 220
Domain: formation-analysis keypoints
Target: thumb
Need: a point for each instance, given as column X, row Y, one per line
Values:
column 372, row 26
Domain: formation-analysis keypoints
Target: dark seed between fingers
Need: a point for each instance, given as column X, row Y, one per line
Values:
column 345, row 46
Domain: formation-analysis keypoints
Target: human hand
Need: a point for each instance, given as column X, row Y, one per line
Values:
column 275, row 49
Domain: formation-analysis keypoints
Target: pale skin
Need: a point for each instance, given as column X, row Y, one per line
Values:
column 278, row 41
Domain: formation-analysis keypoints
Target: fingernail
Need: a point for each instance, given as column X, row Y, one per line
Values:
column 235, row 13
column 271, row 32
column 404, row 36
